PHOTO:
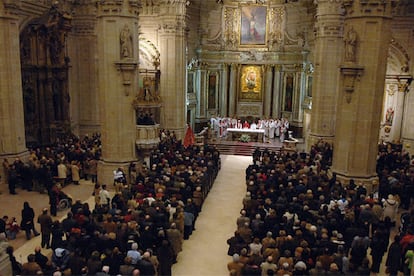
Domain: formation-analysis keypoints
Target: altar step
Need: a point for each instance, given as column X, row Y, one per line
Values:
column 245, row 149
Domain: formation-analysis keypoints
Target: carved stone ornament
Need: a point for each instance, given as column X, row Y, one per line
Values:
column 277, row 16
column 350, row 74
column 127, row 69
column 125, row 40
column 351, row 42
column 230, row 35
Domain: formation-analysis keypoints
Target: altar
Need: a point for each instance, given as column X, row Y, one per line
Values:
column 256, row 135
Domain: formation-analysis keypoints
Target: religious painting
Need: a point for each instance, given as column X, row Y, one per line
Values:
column 253, row 25
column 288, row 99
column 212, row 88
column 251, row 82
column 190, row 82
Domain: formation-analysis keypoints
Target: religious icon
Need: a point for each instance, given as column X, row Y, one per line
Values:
column 251, row 82
column 253, row 25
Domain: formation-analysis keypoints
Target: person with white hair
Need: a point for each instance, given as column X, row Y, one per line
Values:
column 235, row 266
column 134, row 254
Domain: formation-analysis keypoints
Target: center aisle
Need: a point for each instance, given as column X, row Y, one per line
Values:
column 205, row 253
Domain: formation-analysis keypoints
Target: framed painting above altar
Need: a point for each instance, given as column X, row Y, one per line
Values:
column 253, row 25
column 251, row 83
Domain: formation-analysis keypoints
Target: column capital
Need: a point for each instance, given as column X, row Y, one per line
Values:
column 369, row 8
column 329, row 18
column 10, row 8
column 118, row 7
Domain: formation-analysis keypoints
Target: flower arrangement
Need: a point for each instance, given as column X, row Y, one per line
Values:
column 245, row 138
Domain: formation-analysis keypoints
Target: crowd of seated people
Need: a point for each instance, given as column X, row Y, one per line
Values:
column 297, row 219
column 140, row 230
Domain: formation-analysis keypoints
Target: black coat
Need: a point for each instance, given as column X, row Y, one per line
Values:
column 393, row 261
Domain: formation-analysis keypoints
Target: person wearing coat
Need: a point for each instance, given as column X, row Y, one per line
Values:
column 175, row 238
column 393, row 262
column 27, row 223
column 390, row 208
column 74, row 168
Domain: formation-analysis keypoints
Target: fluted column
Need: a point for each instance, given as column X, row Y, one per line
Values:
column 224, row 90
column 367, row 37
column 117, row 51
column 12, row 133
column 172, row 54
column 327, row 58
column 268, row 90
column 232, row 90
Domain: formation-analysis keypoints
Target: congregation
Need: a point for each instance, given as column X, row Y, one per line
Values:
column 297, row 220
column 272, row 127
column 138, row 231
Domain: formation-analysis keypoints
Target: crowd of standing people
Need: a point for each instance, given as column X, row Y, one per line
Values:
column 297, row 219
column 137, row 231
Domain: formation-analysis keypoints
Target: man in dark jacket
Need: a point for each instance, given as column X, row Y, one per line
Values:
column 393, row 262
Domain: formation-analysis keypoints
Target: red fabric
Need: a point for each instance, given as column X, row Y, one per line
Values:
column 189, row 138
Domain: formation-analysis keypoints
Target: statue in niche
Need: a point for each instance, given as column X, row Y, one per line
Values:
column 389, row 116
column 351, row 39
column 126, row 42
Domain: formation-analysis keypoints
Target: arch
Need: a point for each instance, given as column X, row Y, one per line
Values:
column 149, row 55
column 397, row 58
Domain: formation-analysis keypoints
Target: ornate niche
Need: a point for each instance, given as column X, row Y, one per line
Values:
column 45, row 66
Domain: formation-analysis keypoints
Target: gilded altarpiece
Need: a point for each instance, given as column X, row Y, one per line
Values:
column 45, row 67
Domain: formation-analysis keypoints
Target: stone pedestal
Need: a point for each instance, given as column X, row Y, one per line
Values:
column 147, row 137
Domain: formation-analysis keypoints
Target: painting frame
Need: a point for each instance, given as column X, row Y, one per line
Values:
column 253, row 25
column 212, row 90
column 288, row 92
column 251, row 83
column 190, row 82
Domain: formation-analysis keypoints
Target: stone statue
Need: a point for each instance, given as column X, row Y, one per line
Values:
column 350, row 39
column 126, row 42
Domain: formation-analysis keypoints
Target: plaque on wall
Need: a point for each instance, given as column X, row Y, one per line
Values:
column 251, row 83
column 253, row 25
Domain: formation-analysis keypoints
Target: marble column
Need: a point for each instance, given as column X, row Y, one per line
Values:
column 398, row 116
column 117, row 51
column 327, row 58
column 232, row 90
column 224, row 89
column 268, row 91
column 277, row 92
column 12, row 133
column 172, row 54
column 367, row 37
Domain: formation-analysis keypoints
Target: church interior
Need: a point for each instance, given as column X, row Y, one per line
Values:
column 340, row 71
